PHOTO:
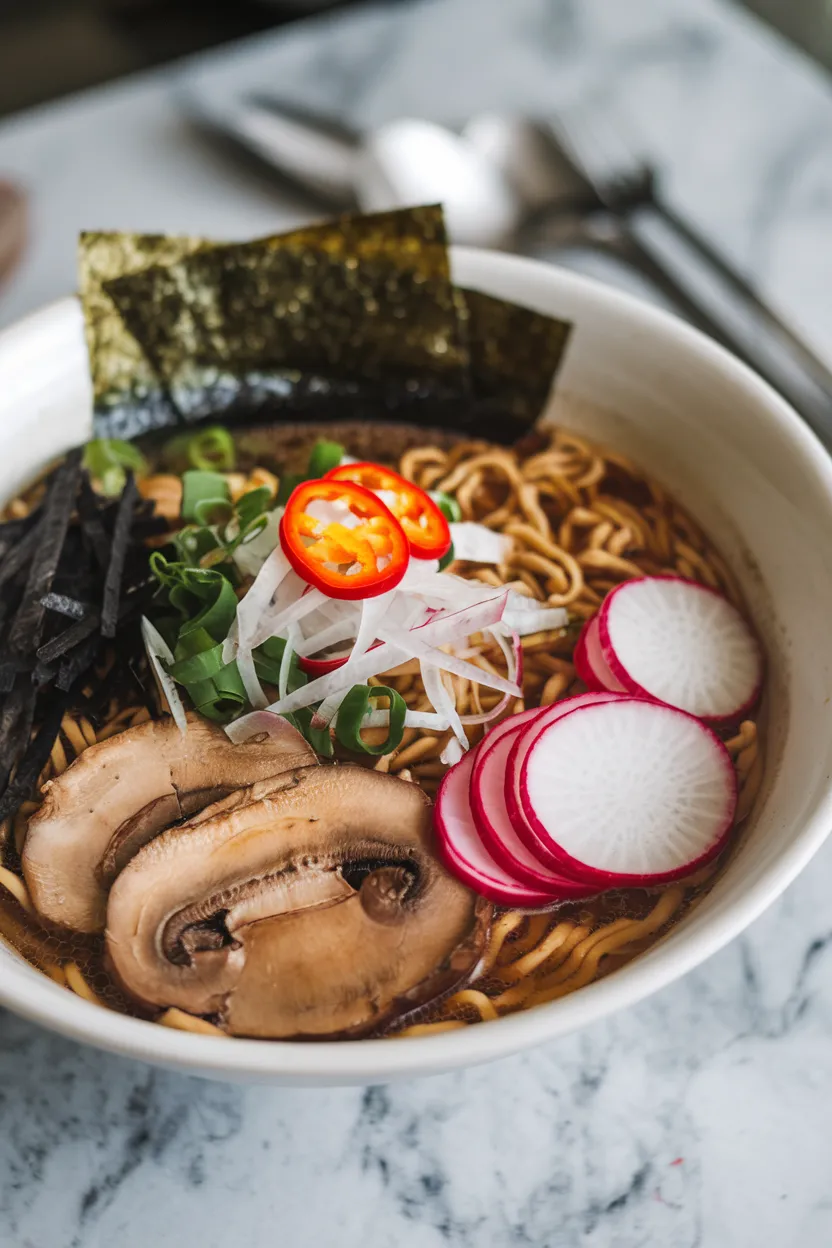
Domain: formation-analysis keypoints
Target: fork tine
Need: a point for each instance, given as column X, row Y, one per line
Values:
column 601, row 149
column 604, row 155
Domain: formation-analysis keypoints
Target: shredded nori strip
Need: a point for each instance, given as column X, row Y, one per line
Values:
column 90, row 512
column 11, row 531
column 78, row 663
column 27, row 626
column 68, row 639
column 34, row 760
column 118, row 554
column 10, row 668
column 19, row 555
column 15, row 727
column 64, row 604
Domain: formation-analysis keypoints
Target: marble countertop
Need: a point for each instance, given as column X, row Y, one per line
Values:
column 698, row 1119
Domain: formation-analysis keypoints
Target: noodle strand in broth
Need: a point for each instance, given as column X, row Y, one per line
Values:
column 579, row 522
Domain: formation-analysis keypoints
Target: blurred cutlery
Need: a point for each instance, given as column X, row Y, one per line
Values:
column 13, row 229
column 515, row 182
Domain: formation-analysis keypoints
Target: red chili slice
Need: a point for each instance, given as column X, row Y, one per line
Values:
column 425, row 528
column 359, row 555
column 322, row 667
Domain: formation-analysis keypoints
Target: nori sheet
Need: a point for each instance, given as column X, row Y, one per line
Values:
column 360, row 310
column 358, row 316
column 515, row 355
column 128, row 395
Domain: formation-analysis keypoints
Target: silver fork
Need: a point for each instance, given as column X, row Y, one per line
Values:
column 625, row 182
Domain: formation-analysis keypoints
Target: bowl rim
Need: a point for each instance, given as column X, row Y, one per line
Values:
column 331, row 1062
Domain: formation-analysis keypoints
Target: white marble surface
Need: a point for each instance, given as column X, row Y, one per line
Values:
column 696, row 1120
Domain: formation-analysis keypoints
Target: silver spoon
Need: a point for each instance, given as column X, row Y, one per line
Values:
column 404, row 162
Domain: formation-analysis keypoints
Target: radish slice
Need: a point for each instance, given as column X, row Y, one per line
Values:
column 539, row 849
column 628, row 792
column 583, row 668
column 590, row 664
column 683, row 644
column 463, row 852
column 488, row 806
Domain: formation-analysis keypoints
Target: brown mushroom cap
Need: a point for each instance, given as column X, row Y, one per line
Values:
column 121, row 793
column 318, row 910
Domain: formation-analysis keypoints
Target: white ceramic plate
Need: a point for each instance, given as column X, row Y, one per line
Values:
column 733, row 452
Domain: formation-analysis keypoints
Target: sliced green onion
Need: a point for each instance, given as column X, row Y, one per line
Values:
column 449, row 507
column 108, row 460
column 351, row 715
column 324, row 456
column 288, row 483
column 193, row 543
column 220, row 609
column 212, row 448
column 252, row 506
column 202, row 665
column 206, row 449
column 204, row 596
column 268, row 659
column 447, row 558
column 319, row 738
column 220, row 697
column 204, row 491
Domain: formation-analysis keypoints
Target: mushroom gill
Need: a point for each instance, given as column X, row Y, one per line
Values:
column 319, row 909
column 122, row 792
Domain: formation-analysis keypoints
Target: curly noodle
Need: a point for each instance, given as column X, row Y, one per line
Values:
column 580, row 521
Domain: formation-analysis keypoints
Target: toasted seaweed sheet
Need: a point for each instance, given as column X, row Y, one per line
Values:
column 128, row 394
column 356, row 311
column 358, row 317
column 515, row 354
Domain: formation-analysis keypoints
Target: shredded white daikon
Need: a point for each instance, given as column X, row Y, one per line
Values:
column 159, row 654
column 478, row 544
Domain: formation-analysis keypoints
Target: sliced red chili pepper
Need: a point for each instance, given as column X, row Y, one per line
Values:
column 335, row 554
column 425, row 528
column 322, row 667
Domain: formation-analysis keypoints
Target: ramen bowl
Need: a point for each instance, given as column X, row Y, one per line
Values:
column 733, row 452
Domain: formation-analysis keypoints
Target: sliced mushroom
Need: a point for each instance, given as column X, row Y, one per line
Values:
column 318, row 910
column 122, row 792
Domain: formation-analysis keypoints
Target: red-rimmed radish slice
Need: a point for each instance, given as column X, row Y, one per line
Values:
column 629, row 792
column 682, row 643
column 538, row 847
column 488, row 806
column 463, row 852
column 583, row 669
column 590, row 664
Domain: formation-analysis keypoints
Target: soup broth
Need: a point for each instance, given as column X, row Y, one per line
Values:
column 581, row 520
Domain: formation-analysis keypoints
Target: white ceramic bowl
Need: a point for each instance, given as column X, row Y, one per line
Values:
column 731, row 450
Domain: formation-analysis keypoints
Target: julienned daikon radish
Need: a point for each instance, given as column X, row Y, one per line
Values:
column 682, row 643
column 591, row 666
column 462, row 850
column 539, row 849
column 627, row 792
column 488, row 806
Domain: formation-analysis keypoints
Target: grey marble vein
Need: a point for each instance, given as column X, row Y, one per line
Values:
column 699, row 1119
